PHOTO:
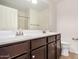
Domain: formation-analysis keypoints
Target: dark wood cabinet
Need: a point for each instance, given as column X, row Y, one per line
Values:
column 58, row 37
column 37, row 43
column 51, row 39
column 54, row 47
column 39, row 53
column 58, row 48
column 14, row 50
column 51, row 51
column 48, row 47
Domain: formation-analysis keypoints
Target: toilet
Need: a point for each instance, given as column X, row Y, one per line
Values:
column 65, row 48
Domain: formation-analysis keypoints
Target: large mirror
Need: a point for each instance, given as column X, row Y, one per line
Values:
column 24, row 14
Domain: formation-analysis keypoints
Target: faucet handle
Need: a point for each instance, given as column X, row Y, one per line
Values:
column 17, row 33
column 22, row 33
column 44, row 31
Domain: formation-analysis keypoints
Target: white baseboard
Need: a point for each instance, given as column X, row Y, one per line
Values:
column 74, row 52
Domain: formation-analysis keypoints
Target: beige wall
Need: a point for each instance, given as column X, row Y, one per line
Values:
column 67, row 22
column 8, row 18
column 52, row 16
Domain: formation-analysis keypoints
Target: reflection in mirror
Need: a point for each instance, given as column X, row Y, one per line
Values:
column 23, row 14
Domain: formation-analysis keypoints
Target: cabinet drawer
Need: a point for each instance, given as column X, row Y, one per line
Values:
column 39, row 53
column 51, row 39
column 51, row 51
column 38, row 42
column 15, row 49
column 58, row 36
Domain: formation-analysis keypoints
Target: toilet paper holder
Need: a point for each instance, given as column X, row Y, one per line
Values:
column 74, row 38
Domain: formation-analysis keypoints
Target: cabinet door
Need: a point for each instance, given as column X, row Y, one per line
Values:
column 58, row 49
column 26, row 56
column 38, row 42
column 51, row 39
column 39, row 53
column 51, row 51
column 15, row 49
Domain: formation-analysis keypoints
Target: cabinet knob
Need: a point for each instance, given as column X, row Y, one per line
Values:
column 33, row 56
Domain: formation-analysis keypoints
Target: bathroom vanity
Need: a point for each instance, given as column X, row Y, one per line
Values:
column 46, row 46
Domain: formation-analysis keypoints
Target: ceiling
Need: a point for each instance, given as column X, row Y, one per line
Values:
column 24, row 4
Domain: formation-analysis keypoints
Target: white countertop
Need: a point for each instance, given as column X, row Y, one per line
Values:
column 24, row 38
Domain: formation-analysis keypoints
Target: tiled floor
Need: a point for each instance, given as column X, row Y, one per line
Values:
column 71, row 56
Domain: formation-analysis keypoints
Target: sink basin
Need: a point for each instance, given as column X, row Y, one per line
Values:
column 7, row 34
column 32, row 33
column 26, row 33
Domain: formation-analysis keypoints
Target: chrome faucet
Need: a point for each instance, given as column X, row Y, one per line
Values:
column 44, row 31
column 18, row 33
